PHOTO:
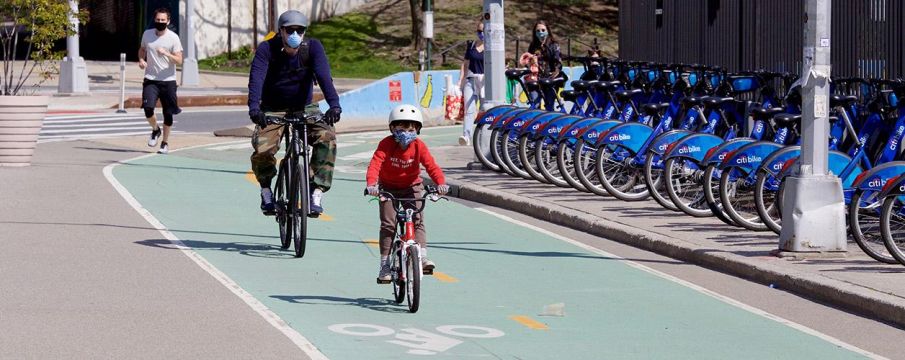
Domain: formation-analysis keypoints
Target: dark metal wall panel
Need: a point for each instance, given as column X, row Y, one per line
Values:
column 867, row 35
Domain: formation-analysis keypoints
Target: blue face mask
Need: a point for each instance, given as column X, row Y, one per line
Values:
column 481, row 35
column 294, row 40
column 541, row 34
column 404, row 138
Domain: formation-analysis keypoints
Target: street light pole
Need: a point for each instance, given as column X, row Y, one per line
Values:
column 813, row 215
column 494, row 55
column 428, row 31
column 73, row 71
column 190, row 75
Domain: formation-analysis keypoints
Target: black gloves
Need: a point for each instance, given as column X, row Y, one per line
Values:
column 257, row 117
column 332, row 115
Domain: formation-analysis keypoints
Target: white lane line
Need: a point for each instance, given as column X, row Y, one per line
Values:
column 268, row 315
column 243, row 145
column 690, row 285
column 100, row 117
column 357, row 156
column 115, row 122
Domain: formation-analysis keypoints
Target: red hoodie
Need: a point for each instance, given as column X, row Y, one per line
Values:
column 398, row 168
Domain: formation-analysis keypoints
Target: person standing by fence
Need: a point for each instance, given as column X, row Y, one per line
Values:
column 471, row 81
column 549, row 58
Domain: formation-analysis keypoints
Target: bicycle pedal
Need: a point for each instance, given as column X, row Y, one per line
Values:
column 314, row 215
column 427, row 271
column 268, row 213
column 384, row 281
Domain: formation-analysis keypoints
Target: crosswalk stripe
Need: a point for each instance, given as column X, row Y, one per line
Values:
column 50, row 138
column 95, row 129
column 121, row 123
column 88, row 120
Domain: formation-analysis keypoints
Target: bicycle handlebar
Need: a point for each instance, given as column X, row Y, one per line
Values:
column 294, row 119
column 430, row 193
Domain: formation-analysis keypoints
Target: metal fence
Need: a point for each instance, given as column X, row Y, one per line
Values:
column 868, row 36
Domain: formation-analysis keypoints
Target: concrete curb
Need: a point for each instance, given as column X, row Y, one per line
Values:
column 858, row 299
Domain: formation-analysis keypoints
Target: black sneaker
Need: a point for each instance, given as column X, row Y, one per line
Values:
column 267, row 205
column 155, row 134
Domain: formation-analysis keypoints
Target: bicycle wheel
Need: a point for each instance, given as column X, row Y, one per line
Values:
column 766, row 200
column 545, row 155
column 737, row 195
column 585, row 166
column 496, row 150
column 565, row 162
column 526, row 155
column 685, row 188
column 413, row 278
column 398, row 274
column 300, row 211
column 510, row 155
column 711, row 188
column 281, row 200
column 864, row 223
column 655, row 182
column 482, row 136
column 892, row 227
column 618, row 175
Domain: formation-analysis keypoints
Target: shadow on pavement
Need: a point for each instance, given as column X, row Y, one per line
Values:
column 184, row 168
column 376, row 304
column 118, row 150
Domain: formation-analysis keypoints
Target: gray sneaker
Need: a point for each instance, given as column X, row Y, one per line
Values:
column 384, row 276
column 427, row 266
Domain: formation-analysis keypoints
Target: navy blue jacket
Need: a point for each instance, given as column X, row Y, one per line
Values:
column 279, row 82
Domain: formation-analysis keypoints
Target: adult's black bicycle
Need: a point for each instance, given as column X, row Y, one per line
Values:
column 293, row 182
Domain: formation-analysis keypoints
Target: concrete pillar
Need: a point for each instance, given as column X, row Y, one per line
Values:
column 73, row 70
column 813, row 207
column 190, row 75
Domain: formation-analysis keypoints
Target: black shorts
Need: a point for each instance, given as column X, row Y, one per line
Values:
column 152, row 90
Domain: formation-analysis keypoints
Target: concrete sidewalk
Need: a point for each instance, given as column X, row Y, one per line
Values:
column 216, row 88
column 855, row 283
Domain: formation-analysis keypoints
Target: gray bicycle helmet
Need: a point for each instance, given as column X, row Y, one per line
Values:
column 293, row 18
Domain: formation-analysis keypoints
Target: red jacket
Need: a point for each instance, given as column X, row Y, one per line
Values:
column 397, row 168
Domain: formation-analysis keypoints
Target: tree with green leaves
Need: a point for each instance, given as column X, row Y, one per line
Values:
column 37, row 24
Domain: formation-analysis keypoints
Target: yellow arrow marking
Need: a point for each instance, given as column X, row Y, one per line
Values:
column 444, row 277
column 529, row 322
column 250, row 176
column 371, row 242
column 325, row 217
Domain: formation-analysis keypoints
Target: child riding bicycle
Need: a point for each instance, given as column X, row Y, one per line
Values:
column 396, row 168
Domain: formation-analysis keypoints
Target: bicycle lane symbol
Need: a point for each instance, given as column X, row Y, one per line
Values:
column 420, row 342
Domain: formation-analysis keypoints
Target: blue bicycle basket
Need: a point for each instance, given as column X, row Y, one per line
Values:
column 893, row 99
column 742, row 84
column 692, row 79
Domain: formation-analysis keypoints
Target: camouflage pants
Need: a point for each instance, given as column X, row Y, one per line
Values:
column 266, row 143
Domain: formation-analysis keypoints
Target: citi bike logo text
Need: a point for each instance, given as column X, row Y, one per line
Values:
column 553, row 130
column 628, row 114
column 592, row 134
column 609, row 112
column 519, row 123
column 877, row 182
column 895, row 141
column 777, row 165
column 620, row 137
column 663, row 147
column 689, row 149
column 902, row 188
column 748, row 159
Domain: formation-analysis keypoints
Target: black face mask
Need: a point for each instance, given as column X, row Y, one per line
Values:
column 160, row 26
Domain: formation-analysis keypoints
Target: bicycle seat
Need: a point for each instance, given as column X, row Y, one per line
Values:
column 840, row 100
column 786, row 119
column 765, row 114
column 627, row 94
column 557, row 82
column 581, row 85
column 692, row 100
column 606, row 85
column 515, row 74
column 531, row 85
column 569, row 95
column 654, row 109
column 714, row 101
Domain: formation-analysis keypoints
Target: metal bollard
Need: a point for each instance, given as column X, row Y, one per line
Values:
column 122, row 82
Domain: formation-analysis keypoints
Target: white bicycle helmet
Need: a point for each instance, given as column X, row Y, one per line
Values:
column 406, row 112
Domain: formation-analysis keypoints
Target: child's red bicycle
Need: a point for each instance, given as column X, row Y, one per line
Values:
column 405, row 254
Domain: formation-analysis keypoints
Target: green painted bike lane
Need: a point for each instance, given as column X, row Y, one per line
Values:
column 496, row 278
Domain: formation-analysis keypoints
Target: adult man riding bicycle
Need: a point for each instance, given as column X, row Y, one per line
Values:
column 281, row 81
